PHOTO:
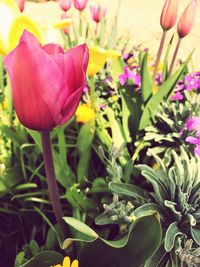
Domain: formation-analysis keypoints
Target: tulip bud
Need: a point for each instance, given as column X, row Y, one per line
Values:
column 65, row 5
column 64, row 16
column 97, row 13
column 21, row 4
column 80, row 4
column 187, row 19
column 169, row 14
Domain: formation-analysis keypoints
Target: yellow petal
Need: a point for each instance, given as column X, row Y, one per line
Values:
column 66, row 262
column 62, row 23
column 19, row 24
column 3, row 49
column 75, row 263
column 8, row 11
column 98, row 57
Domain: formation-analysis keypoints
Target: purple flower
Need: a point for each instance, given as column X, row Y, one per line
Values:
column 194, row 141
column 192, row 82
column 177, row 96
column 129, row 75
column 193, row 124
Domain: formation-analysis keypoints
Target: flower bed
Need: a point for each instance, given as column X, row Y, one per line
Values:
column 100, row 143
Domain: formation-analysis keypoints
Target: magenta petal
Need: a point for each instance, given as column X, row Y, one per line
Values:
column 53, row 49
column 71, row 105
column 75, row 65
column 39, row 90
column 29, row 38
column 193, row 140
column 197, row 150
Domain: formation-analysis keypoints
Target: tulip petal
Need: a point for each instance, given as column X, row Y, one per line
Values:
column 53, row 49
column 71, row 105
column 75, row 65
column 29, row 38
column 39, row 90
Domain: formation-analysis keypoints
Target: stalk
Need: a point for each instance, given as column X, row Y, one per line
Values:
column 174, row 57
column 51, row 179
column 159, row 54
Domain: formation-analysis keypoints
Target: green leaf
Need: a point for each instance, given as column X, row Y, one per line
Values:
column 131, row 112
column 81, row 227
column 171, row 234
column 146, row 83
column 164, row 91
column 84, row 144
column 128, row 190
column 44, row 259
column 143, row 240
column 196, row 235
column 19, row 259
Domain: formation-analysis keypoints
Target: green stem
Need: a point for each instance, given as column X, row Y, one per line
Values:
column 92, row 92
column 80, row 24
column 159, row 54
column 51, row 179
column 174, row 57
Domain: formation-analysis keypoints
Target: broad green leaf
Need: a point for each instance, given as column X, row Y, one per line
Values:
column 146, row 80
column 144, row 239
column 171, row 234
column 44, row 259
column 128, row 190
column 159, row 259
column 164, row 91
column 17, row 137
column 117, row 68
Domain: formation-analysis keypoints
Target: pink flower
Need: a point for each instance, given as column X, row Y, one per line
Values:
column 187, row 19
column 193, row 124
column 80, row 4
column 169, row 14
column 194, row 141
column 47, row 82
column 65, row 29
column 65, row 4
column 97, row 12
column 21, row 4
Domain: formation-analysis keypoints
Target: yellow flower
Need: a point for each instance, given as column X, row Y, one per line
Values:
column 84, row 113
column 13, row 23
column 62, row 23
column 67, row 263
column 98, row 57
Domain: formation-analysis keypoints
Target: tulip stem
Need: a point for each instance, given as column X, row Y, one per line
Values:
column 80, row 24
column 159, row 54
column 174, row 57
column 51, row 179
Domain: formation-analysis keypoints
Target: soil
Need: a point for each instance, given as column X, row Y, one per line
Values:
column 138, row 19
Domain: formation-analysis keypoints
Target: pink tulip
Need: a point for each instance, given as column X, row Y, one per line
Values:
column 21, row 4
column 65, row 29
column 187, row 19
column 97, row 13
column 80, row 4
column 169, row 14
column 46, row 82
column 65, row 4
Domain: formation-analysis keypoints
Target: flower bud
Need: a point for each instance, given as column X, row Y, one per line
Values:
column 65, row 4
column 169, row 14
column 187, row 19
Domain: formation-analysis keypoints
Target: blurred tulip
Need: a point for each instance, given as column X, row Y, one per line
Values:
column 98, row 57
column 97, row 12
column 21, row 4
column 48, row 83
column 80, row 4
column 187, row 19
column 65, row 5
column 169, row 14
column 65, row 17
